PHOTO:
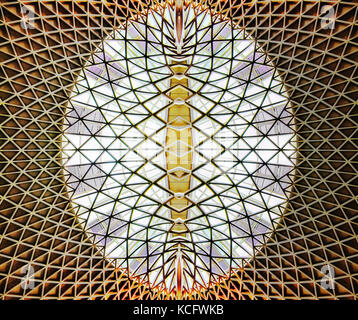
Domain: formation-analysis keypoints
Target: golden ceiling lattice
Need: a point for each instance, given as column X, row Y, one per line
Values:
column 45, row 45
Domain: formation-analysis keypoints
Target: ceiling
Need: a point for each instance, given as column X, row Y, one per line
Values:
column 314, row 48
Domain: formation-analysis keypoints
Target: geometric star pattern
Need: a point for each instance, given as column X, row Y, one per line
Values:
column 316, row 59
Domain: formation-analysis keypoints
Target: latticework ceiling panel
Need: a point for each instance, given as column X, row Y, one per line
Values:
column 45, row 46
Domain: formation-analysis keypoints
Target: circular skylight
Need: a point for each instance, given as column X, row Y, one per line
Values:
column 178, row 147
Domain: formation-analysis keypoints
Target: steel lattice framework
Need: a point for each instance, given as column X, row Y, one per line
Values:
column 51, row 54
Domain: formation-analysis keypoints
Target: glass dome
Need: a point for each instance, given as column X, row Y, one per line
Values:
column 179, row 147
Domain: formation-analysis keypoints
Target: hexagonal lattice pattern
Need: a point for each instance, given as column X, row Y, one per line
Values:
column 312, row 45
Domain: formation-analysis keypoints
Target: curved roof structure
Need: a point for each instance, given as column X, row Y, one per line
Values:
column 63, row 140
